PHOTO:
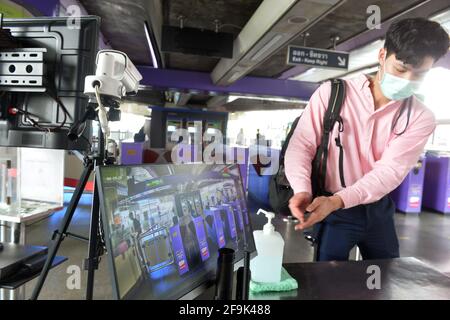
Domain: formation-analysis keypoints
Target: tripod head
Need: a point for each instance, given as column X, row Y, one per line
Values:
column 91, row 114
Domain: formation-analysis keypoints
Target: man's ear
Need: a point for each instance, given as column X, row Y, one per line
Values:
column 381, row 54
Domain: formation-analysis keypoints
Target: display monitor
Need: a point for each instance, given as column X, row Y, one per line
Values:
column 164, row 225
column 42, row 76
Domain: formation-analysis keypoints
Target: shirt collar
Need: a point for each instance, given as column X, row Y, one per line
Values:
column 363, row 81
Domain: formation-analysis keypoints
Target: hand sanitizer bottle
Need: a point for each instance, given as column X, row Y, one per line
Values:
column 266, row 266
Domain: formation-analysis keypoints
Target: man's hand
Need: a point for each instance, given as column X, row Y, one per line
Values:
column 298, row 204
column 320, row 208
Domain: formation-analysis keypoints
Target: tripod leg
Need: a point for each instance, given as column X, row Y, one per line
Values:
column 58, row 235
column 92, row 261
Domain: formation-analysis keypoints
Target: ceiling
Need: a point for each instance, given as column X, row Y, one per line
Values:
column 201, row 14
column 347, row 21
column 122, row 26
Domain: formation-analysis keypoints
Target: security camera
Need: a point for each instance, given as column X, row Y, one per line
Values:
column 115, row 76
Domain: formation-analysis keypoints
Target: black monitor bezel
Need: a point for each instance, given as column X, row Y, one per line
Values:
column 197, row 290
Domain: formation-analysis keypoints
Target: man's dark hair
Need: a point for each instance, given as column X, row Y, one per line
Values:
column 411, row 40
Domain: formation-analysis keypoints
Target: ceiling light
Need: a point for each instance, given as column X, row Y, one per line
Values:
column 232, row 98
column 150, row 45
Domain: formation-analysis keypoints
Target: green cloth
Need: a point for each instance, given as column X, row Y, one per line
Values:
column 286, row 283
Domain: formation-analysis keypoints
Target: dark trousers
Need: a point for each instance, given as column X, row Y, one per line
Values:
column 370, row 227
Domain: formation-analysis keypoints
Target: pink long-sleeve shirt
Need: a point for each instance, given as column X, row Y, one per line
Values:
column 376, row 160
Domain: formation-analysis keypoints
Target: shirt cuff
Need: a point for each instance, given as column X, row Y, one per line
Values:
column 349, row 197
column 301, row 187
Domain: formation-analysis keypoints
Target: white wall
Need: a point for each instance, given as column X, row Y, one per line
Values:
column 273, row 124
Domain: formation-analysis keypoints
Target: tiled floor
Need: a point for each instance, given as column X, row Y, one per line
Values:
column 426, row 237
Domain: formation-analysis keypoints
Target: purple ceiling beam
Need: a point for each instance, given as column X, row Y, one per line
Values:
column 423, row 9
column 167, row 79
column 46, row 8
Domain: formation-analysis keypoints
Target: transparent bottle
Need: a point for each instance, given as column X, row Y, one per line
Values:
column 266, row 266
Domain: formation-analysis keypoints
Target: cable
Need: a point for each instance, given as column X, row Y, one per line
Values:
column 87, row 140
column 52, row 93
column 82, row 131
column 102, row 115
column 406, row 104
column 27, row 117
column 103, row 120
column 79, row 133
column 36, row 124
column 61, row 106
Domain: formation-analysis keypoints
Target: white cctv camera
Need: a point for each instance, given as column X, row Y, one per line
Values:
column 115, row 76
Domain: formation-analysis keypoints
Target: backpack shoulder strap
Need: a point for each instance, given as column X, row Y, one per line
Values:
column 336, row 115
column 334, row 104
column 286, row 142
column 331, row 116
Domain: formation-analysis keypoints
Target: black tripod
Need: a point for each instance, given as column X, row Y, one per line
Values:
column 96, row 245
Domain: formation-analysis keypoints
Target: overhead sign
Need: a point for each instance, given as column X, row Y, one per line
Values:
column 318, row 58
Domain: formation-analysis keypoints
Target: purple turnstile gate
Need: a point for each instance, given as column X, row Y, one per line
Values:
column 436, row 193
column 408, row 195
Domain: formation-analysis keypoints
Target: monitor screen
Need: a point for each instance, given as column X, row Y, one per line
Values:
column 164, row 225
column 58, row 56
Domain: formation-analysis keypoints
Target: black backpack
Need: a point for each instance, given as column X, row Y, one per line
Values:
column 280, row 190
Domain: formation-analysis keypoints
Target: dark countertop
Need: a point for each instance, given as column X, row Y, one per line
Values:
column 401, row 278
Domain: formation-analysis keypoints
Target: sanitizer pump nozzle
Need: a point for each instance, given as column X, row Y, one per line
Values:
column 268, row 227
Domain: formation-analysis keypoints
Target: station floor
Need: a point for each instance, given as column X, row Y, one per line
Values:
column 425, row 236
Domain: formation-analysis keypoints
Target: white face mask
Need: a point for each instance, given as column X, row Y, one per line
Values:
column 397, row 88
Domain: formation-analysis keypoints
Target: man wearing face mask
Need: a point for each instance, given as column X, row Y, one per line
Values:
column 385, row 130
